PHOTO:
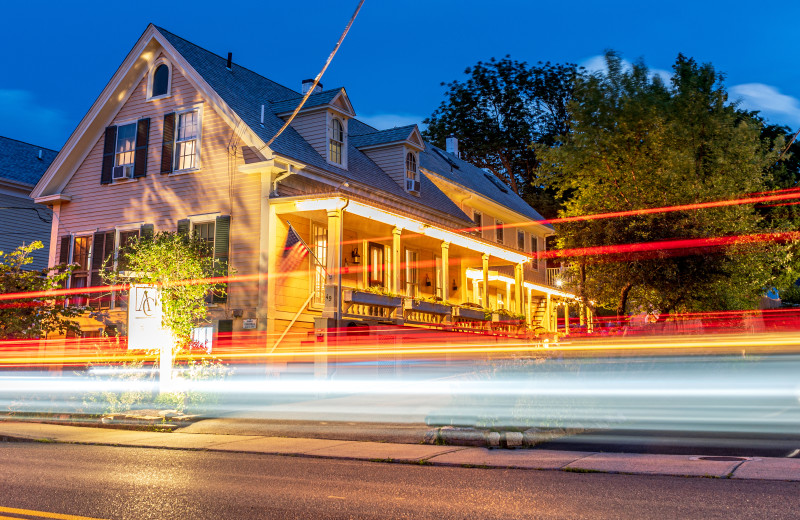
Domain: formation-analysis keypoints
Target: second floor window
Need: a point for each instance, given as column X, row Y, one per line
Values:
column 499, row 231
column 124, row 153
column 205, row 232
column 521, row 240
column 477, row 218
column 186, row 141
column 534, row 252
column 336, row 141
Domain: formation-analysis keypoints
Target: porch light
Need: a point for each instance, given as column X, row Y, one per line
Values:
column 455, row 287
column 356, row 256
column 427, row 281
column 559, row 283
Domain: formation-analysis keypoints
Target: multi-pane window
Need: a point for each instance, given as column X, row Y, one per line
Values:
column 477, row 218
column 521, row 240
column 160, row 81
column 411, row 172
column 319, row 240
column 336, row 142
column 412, row 274
column 125, row 150
column 205, row 232
column 499, row 230
column 535, row 251
column 80, row 256
column 186, row 140
column 377, row 267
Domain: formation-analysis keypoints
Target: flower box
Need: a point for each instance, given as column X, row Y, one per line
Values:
column 429, row 307
column 368, row 298
column 469, row 314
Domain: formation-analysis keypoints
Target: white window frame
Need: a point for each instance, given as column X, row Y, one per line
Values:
column 329, row 137
column 198, row 140
column 412, row 289
column 150, row 77
column 478, row 226
column 534, row 248
column 316, row 271
column 135, row 123
column 499, row 225
column 415, row 177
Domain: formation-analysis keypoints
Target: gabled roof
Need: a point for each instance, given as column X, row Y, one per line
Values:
column 400, row 134
column 19, row 162
column 471, row 177
column 324, row 98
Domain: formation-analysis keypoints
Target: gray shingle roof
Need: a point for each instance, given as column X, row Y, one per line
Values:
column 245, row 91
column 20, row 161
column 314, row 100
column 473, row 178
column 393, row 135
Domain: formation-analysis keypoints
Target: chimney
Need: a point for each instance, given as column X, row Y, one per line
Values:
column 230, row 61
column 452, row 146
column 307, row 86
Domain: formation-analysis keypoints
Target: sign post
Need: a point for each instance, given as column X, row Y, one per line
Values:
column 146, row 330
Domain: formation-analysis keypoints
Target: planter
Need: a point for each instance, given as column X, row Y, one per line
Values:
column 367, row 298
column 469, row 314
column 428, row 307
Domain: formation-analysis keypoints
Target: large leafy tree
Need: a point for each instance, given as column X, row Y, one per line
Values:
column 34, row 317
column 499, row 111
column 636, row 143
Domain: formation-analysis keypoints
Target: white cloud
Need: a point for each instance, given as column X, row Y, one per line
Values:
column 767, row 99
column 22, row 118
column 386, row 121
column 598, row 64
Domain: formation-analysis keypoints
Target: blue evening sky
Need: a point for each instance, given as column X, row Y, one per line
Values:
column 57, row 56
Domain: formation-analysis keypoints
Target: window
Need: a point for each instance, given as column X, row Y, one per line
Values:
column 186, row 138
column 521, row 240
column 534, row 252
column 160, row 81
column 80, row 256
column 477, row 218
column 125, row 151
column 319, row 241
column 377, row 267
column 125, row 239
column 412, row 274
column 437, row 263
column 499, row 231
column 336, row 141
column 205, row 232
column 411, row 172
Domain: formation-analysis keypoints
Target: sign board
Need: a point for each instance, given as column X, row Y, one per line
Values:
column 249, row 323
column 145, row 331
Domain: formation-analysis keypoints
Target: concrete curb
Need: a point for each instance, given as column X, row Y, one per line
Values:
column 424, row 454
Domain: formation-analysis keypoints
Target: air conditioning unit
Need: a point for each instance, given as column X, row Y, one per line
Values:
column 122, row 172
column 412, row 185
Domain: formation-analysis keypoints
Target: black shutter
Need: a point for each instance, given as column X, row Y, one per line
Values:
column 142, row 137
column 109, row 249
column 146, row 231
column 221, row 244
column 168, row 143
column 183, row 226
column 98, row 248
column 109, row 144
column 64, row 255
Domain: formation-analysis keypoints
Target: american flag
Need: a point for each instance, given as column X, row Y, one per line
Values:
column 294, row 251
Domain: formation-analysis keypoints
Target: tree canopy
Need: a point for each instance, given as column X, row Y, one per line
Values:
column 636, row 142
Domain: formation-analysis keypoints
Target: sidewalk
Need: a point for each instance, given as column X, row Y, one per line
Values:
column 765, row 468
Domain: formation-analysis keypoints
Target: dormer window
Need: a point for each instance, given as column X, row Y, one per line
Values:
column 158, row 82
column 412, row 182
column 336, row 141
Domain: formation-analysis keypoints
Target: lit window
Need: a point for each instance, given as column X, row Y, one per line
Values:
column 477, row 218
column 412, row 274
column 499, row 232
column 521, row 240
column 319, row 238
column 411, row 172
column 535, row 251
column 160, row 81
column 186, row 140
column 124, row 152
column 336, row 141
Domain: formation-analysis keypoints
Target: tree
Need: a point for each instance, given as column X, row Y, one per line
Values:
column 637, row 143
column 38, row 316
column 499, row 111
column 180, row 265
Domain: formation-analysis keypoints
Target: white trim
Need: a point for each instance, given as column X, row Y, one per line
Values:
column 203, row 217
column 148, row 94
column 198, row 107
column 50, row 199
column 329, row 118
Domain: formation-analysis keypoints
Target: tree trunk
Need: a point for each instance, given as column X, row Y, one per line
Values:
column 623, row 302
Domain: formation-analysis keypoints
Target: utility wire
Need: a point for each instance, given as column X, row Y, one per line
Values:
column 788, row 145
column 316, row 80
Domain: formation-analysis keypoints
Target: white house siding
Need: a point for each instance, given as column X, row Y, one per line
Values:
column 19, row 224
column 162, row 200
column 390, row 159
column 314, row 129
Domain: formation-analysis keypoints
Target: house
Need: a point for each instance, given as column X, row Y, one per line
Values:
column 21, row 220
column 178, row 139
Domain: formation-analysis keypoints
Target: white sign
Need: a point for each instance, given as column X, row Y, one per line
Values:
column 249, row 323
column 145, row 331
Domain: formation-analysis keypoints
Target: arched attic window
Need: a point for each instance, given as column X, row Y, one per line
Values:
column 336, row 141
column 159, row 83
column 412, row 184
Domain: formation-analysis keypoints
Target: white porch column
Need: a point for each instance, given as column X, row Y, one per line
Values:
column 56, row 207
column 445, row 271
column 518, row 287
column 548, row 319
column 394, row 283
column 485, row 259
column 581, row 311
column 566, row 317
column 507, row 304
column 529, row 308
column 475, row 291
column 333, row 282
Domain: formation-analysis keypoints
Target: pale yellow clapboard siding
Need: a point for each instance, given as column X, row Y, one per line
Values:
column 162, row 200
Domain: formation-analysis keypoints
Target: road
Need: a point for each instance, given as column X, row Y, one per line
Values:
column 132, row 483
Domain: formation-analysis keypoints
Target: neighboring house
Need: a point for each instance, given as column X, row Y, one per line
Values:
column 21, row 220
column 177, row 141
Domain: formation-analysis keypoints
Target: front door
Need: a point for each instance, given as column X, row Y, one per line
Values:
column 377, row 266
